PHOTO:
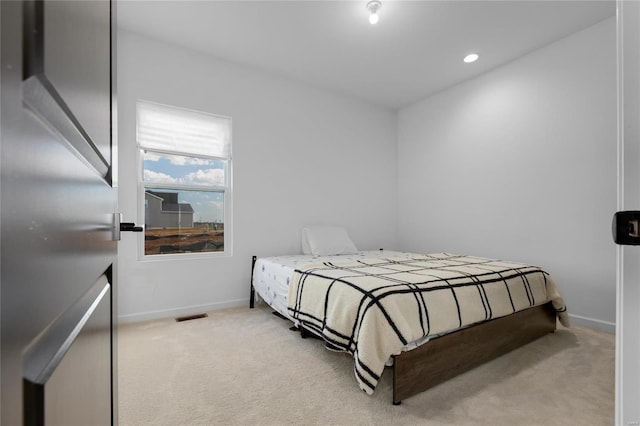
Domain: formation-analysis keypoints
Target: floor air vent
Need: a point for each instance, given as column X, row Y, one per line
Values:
column 191, row 317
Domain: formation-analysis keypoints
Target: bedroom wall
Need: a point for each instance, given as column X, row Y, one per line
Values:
column 301, row 156
column 520, row 163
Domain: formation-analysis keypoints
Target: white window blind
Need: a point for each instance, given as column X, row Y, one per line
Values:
column 183, row 131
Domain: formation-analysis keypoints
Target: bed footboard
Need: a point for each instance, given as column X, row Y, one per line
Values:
column 447, row 356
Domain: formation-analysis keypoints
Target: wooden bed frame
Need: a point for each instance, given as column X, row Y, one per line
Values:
column 447, row 356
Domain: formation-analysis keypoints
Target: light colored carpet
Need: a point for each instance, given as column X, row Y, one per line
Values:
column 244, row 367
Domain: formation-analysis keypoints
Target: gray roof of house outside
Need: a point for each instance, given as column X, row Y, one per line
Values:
column 170, row 202
column 168, row 197
column 172, row 207
column 151, row 194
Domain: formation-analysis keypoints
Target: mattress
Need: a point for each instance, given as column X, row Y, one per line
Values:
column 272, row 275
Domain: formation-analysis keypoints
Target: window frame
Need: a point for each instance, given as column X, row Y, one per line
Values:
column 226, row 190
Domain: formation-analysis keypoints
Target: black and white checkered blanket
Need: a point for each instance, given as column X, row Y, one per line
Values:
column 372, row 308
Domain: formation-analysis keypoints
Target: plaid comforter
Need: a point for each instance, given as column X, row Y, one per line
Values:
column 372, row 308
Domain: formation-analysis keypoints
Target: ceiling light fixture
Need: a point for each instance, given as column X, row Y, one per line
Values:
column 373, row 6
column 471, row 57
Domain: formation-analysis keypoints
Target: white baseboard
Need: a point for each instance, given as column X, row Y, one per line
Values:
column 579, row 320
column 609, row 327
column 176, row 312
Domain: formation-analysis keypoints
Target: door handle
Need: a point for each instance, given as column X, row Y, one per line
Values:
column 626, row 228
column 119, row 226
column 130, row 227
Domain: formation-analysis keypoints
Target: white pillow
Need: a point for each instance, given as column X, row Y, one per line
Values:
column 326, row 241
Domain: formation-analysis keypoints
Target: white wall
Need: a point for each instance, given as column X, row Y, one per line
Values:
column 301, row 156
column 520, row 163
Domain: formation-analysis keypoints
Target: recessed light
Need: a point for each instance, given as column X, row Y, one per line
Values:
column 471, row 57
column 373, row 6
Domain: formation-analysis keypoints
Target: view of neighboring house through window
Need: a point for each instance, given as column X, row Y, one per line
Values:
column 186, row 175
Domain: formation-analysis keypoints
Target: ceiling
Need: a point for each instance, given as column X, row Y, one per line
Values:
column 414, row 51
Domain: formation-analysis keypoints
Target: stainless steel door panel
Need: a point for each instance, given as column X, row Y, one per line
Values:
column 57, row 204
column 74, row 32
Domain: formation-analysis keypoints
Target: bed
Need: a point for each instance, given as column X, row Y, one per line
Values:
column 428, row 316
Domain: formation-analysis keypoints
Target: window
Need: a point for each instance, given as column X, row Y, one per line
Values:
column 185, row 181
